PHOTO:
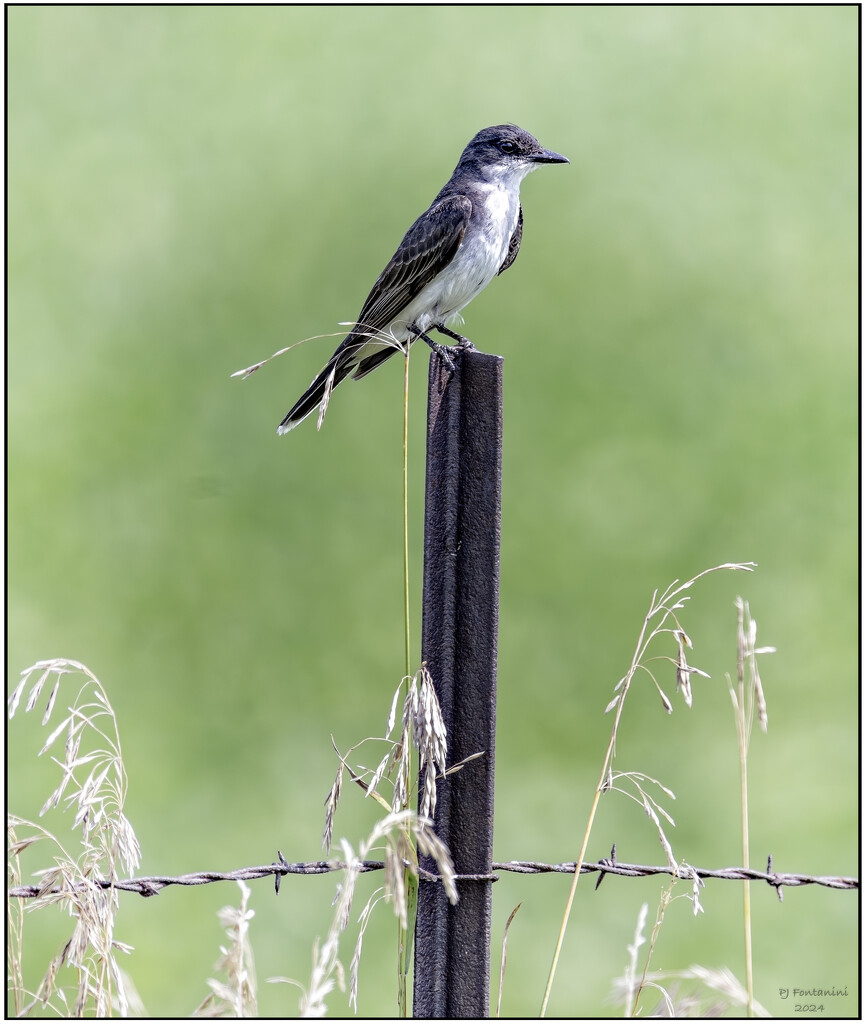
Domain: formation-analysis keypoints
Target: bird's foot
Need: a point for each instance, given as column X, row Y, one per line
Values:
column 444, row 353
column 462, row 342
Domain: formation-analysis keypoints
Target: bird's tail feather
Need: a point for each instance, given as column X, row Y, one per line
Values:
column 344, row 361
column 369, row 363
column 335, row 371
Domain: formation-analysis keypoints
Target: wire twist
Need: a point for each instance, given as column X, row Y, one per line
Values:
column 153, row 884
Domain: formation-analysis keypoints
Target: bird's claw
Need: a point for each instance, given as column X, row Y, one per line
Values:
column 446, row 354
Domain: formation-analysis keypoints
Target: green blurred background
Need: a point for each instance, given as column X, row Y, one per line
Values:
column 193, row 188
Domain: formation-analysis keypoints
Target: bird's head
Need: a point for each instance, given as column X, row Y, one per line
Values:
column 506, row 152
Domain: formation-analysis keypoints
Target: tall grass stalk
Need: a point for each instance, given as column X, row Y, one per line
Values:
column 746, row 701
column 661, row 611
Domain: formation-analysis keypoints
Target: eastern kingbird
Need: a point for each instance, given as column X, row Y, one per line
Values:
column 470, row 233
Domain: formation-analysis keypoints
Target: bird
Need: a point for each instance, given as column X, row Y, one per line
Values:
column 470, row 234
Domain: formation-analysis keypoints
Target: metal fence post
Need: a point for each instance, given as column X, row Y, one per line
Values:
column 460, row 641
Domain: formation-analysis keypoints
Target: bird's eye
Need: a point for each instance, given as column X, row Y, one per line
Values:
column 507, row 146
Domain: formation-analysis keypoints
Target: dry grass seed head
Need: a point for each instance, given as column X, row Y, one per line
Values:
column 330, row 805
column 430, row 739
column 236, row 995
column 746, row 656
column 683, row 674
column 354, row 967
column 106, row 836
column 430, row 844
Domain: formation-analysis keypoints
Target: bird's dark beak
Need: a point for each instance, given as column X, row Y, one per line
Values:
column 547, row 156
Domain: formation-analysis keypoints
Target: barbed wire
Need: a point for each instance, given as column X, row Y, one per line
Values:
column 153, row 884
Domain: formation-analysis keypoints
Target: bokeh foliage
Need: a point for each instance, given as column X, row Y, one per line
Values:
column 193, row 188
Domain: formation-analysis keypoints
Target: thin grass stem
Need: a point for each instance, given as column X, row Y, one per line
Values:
column 405, row 938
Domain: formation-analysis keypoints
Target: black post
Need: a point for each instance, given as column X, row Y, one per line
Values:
column 460, row 641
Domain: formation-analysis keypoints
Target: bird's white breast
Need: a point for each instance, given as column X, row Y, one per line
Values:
column 474, row 265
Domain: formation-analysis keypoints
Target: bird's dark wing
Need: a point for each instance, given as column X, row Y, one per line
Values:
column 428, row 247
column 514, row 246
